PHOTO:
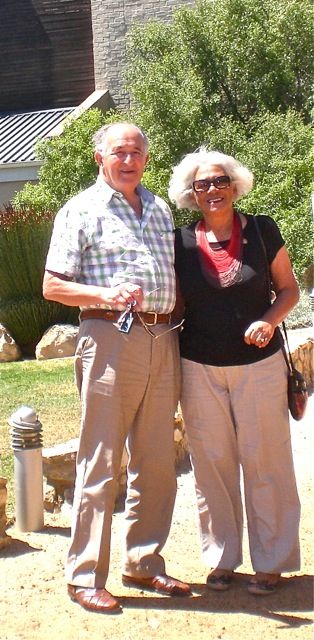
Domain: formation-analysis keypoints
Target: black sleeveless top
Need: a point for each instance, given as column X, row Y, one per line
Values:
column 217, row 318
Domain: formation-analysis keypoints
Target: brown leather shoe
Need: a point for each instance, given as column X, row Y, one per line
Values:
column 162, row 584
column 99, row 600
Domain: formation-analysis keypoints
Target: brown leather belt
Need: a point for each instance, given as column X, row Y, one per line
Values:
column 150, row 317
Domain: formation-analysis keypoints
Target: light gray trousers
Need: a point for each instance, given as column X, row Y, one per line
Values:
column 239, row 416
column 129, row 386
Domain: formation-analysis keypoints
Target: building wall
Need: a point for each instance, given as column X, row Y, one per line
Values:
column 111, row 21
column 46, row 53
column 54, row 53
column 9, row 189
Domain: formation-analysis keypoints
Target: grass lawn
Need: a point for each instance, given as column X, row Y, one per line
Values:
column 48, row 387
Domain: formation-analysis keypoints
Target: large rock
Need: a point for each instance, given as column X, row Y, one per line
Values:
column 59, row 471
column 59, row 467
column 59, row 341
column 9, row 350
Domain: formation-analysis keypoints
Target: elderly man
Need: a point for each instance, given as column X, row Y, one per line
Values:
column 111, row 254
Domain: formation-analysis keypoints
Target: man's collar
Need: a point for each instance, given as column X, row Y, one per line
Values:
column 108, row 191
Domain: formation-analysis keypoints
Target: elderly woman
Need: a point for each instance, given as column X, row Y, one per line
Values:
column 234, row 394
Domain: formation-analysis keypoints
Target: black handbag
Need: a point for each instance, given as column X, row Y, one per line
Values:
column 297, row 389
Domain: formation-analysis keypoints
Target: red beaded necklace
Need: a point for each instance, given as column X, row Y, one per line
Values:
column 221, row 266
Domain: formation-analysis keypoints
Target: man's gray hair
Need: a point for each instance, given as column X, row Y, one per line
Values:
column 100, row 136
column 180, row 188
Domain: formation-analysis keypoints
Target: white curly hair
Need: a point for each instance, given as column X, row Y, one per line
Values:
column 180, row 188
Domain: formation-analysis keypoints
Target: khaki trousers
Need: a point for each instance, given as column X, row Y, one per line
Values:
column 129, row 386
column 239, row 416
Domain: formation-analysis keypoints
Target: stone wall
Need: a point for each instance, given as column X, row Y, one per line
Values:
column 111, row 21
column 4, row 538
column 301, row 345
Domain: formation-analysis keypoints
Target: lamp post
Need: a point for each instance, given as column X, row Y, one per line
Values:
column 26, row 442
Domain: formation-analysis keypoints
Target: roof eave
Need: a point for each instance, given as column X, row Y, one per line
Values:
column 20, row 171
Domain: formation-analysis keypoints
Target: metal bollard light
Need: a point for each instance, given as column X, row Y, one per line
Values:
column 26, row 442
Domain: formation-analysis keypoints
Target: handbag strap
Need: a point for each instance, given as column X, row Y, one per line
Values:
column 284, row 347
column 265, row 255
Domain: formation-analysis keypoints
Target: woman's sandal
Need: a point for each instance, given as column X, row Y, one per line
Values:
column 219, row 581
column 260, row 585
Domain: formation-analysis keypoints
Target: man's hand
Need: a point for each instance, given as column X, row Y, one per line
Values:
column 121, row 295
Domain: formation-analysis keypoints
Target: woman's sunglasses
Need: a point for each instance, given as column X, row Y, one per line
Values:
column 202, row 186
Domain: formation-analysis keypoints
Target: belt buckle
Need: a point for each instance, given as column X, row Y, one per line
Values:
column 153, row 313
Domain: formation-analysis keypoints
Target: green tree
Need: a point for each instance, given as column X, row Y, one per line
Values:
column 280, row 154
column 223, row 58
column 235, row 75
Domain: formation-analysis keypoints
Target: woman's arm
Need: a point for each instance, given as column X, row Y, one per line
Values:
column 285, row 286
column 287, row 295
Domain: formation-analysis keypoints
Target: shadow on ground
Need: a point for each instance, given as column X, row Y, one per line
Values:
column 294, row 594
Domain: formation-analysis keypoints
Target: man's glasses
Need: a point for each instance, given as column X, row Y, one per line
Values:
column 202, row 186
column 152, row 334
column 126, row 320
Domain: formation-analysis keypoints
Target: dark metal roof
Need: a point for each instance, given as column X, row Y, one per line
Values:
column 20, row 132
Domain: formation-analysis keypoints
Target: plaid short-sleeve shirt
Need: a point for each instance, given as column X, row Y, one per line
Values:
column 97, row 239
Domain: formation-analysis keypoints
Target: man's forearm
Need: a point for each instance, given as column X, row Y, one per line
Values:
column 73, row 294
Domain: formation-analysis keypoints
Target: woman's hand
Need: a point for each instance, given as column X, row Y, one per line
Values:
column 287, row 295
column 259, row 333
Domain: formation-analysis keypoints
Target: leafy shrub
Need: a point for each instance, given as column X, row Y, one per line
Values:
column 24, row 241
column 301, row 315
